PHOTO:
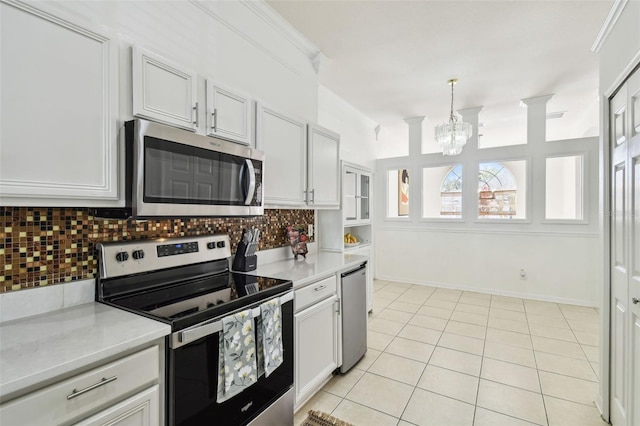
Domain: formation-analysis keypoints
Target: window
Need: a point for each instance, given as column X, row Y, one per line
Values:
column 442, row 192
column 502, row 190
column 398, row 193
column 563, row 194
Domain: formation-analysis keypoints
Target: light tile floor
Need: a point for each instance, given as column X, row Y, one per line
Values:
column 447, row 357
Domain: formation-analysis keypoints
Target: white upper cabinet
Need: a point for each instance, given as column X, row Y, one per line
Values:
column 301, row 169
column 283, row 140
column 356, row 196
column 58, row 111
column 323, row 184
column 228, row 114
column 163, row 91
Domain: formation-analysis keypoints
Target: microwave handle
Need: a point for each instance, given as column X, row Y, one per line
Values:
column 252, row 182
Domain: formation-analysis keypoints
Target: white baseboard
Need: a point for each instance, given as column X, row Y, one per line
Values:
column 497, row 292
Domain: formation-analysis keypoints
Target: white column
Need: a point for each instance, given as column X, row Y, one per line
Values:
column 470, row 115
column 415, row 135
column 536, row 118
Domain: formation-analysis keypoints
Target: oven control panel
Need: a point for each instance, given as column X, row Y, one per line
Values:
column 177, row 248
column 132, row 257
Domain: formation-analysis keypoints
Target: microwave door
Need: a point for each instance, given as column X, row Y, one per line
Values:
column 248, row 181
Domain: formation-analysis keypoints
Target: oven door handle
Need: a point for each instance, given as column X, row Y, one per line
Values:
column 182, row 338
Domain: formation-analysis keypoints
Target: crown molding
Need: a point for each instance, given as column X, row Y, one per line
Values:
column 265, row 12
column 609, row 23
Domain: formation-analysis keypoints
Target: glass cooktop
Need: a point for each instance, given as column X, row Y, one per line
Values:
column 200, row 299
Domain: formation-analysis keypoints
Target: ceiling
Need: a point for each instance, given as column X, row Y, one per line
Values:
column 392, row 59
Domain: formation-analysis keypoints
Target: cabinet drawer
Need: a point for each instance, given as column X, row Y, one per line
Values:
column 84, row 394
column 315, row 292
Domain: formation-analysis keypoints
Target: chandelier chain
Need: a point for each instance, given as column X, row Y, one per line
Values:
column 452, row 117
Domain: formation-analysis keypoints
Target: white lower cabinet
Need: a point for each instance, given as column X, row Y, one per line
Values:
column 316, row 338
column 138, row 410
column 121, row 392
column 366, row 251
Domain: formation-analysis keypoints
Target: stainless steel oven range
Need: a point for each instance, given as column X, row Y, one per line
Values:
column 186, row 282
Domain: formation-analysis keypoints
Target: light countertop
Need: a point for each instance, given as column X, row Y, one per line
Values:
column 303, row 271
column 37, row 349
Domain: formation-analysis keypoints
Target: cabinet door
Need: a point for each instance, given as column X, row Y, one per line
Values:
column 316, row 346
column 163, row 91
column 58, row 111
column 364, row 197
column 356, row 196
column 323, row 187
column 228, row 114
column 142, row 409
column 283, row 140
column 350, row 195
column 366, row 251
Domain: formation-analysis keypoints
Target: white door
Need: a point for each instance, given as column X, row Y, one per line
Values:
column 228, row 114
column 316, row 346
column 633, row 161
column 163, row 90
column 284, row 142
column 625, row 254
column 323, row 186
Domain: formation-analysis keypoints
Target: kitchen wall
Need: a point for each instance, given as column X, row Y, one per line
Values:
column 561, row 259
column 357, row 131
column 42, row 246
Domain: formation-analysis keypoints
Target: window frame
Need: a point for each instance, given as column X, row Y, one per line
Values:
column 452, row 165
column 527, row 219
column 387, row 194
column 584, row 188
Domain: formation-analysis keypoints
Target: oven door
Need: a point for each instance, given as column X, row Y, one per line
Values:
column 193, row 377
column 178, row 173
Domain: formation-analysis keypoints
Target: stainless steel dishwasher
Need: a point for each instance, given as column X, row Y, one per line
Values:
column 354, row 316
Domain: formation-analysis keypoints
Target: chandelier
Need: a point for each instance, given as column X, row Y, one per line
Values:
column 452, row 136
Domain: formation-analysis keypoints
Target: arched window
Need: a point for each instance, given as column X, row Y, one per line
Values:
column 497, row 188
column 451, row 193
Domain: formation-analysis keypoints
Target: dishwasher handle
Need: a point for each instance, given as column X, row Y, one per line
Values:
column 353, row 271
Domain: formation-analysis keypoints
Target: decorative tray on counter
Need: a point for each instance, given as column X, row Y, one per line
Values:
column 349, row 245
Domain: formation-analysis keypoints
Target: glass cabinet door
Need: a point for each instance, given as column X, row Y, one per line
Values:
column 350, row 185
column 364, row 197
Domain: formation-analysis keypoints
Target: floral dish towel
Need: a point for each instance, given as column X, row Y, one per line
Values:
column 237, row 355
column 270, row 335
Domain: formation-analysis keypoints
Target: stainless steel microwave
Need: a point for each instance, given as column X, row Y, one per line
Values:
column 175, row 173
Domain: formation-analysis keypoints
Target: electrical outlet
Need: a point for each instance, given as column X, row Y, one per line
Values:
column 523, row 274
column 310, row 230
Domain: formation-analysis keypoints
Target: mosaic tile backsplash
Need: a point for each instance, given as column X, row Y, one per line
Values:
column 43, row 246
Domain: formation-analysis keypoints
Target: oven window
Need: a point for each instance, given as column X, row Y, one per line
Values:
column 177, row 173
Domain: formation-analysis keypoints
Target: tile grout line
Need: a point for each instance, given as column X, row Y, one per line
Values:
column 581, row 348
column 448, row 321
column 535, row 360
column 427, row 363
column 484, row 344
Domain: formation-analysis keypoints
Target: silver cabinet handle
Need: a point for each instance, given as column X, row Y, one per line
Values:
column 102, row 382
column 214, row 116
column 320, row 287
column 635, row 300
column 195, row 108
column 313, row 196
